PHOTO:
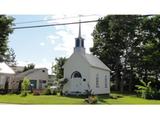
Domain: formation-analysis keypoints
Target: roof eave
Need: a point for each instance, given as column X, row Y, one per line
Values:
column 101, row 68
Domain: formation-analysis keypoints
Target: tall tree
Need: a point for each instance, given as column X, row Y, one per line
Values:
column 114, row 40
column 150, row 51
column 6, row 23
column 57, row 68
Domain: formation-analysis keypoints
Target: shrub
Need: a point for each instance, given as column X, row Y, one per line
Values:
column 36, row 92
column 54, row 92
column 25, row 85
column 91, row 99
column 146, row 91
column 47, row 91
column 23, row 94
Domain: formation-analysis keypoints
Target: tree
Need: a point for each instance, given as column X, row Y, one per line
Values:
column 28, row 67
column 149, row 62
column 130, row 46
column 115, row 38
column 10, row 57
column 25, row 86
column 6, row 23
column 57, row 68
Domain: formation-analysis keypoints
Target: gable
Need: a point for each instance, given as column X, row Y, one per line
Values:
column 5, row 69
column 91, row 60
column 75, row 60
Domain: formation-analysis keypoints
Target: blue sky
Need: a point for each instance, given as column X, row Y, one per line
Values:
column 42, row 45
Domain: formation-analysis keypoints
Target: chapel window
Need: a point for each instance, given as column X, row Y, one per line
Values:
column 76, row 74
column 105, row 80
column 97, row 80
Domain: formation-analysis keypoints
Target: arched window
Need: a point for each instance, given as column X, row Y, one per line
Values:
column 76, row 74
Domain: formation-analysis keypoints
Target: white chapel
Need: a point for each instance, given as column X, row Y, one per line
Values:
column 85, row 71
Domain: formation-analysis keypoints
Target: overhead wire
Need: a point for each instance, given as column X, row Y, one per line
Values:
column 35, row 21
column 56, row 24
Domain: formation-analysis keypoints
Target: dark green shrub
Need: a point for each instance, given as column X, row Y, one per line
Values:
column 47, row 91
column 23, row 94
column 145, row 90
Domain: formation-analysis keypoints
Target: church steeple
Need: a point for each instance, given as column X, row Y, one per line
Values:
column 79, row 29
column 79, row 42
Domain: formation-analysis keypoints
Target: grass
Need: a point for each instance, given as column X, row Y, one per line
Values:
column 54, row 99
column 42, row 99
column 127, row 99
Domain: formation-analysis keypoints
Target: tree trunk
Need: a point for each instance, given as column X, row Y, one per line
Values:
column 130, row 80
column 121, row 85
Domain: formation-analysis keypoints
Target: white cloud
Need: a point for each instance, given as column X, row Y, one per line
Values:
column 23, row 63
column 65, row 35
column 53, row 38
column 42, row 44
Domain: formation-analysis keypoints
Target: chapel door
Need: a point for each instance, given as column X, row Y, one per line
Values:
column 76, row 81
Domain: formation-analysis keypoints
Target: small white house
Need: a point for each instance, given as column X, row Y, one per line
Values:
column 6, row 76
column 85, row 72
column 38, row 77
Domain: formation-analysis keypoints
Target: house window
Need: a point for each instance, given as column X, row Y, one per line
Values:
column 105, row 80
column 97, row 81
column 76, row 74
column 43, row 70
column 2, row 78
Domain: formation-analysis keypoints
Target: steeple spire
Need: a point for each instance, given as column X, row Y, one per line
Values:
column 79, row 36
column 79, row 42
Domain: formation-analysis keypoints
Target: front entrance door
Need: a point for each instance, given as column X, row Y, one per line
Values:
column 76, row 84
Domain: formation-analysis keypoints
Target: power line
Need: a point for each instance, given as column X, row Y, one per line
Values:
column 58, row 24
column 54, row 19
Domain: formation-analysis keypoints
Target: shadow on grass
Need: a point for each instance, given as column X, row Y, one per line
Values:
column 73, row 96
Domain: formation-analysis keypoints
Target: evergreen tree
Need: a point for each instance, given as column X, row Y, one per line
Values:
column 6, row 23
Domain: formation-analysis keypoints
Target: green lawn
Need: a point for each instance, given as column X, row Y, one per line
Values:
column 127, row 99
column 44, row 99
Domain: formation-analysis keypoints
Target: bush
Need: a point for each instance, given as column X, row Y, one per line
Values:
column 25, row 85
column 23, row 94
column 36, row 92
column 54, row 92
column 91, row 100
column 146, row 91
column 47, row 91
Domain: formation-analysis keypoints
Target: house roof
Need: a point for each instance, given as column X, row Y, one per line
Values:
column 17, row 69
column 95, row 62
column 5, row 69
column 28, row 72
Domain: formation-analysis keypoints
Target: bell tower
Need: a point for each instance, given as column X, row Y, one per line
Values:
column 79, row 42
